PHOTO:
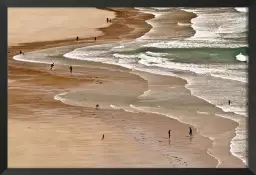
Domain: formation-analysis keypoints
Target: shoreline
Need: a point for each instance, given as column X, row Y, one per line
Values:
column 40, row 45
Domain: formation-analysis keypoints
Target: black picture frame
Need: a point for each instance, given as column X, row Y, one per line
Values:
column 127, row 3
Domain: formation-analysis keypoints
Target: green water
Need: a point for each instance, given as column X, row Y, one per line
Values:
column 196, row 55
column 206, row 55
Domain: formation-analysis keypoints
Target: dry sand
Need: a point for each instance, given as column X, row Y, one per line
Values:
column 49, row 24
column 43, row 132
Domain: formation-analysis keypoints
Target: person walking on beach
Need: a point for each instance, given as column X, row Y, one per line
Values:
column 70, row 69
column 229, row 102
column 169, row 133
column 97, row 106
column 52, row 65
column 107, row 20
column 95, row 38
column 77, row 38
column 20, row 52
column 190, row 131
column 102, row 137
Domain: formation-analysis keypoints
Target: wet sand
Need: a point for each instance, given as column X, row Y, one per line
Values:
column 44, row 132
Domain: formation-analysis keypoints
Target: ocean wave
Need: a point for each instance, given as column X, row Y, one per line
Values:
column 157, row 54
column 26, row 59
column 190, row 43
column 147, row 60
column 225, row 72
column 81, row 56
column 232, row 108
column 217, row 24
column 117, row 55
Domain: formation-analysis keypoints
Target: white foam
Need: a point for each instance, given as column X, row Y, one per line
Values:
column 117, row 55
column 162, row 8
column 184, row 24
column 242, row 58
column 145, row 94
column 242, row 9
column 81, row 56
column 60, row 98
column 114, row 107
column 120, row 108
column 199, row 112
column 157, row 54
column 118, row 47
column 25, row 59
column 190, row 43
column 146, row 59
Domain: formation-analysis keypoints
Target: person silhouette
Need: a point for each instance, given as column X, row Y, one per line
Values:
column 52, row 65
column 190, row 131
column 70, row 69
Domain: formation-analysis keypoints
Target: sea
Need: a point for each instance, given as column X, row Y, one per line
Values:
column 213, row 61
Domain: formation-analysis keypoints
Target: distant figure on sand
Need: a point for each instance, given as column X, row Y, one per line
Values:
column 20, row 52
column 97, row 106
column 77, row 38
column 190, row 131
column 70, row 69
column 169, row 133
column 229, row 102
column 102, row 137
column 95, row 38
column 107, row 20
column 52, row 65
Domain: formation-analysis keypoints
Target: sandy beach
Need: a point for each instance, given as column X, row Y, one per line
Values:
column 45, row 132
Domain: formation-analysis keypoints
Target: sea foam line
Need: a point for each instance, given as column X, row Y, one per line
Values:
column 232, row 142
column 178, row 119
column 230, row 118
